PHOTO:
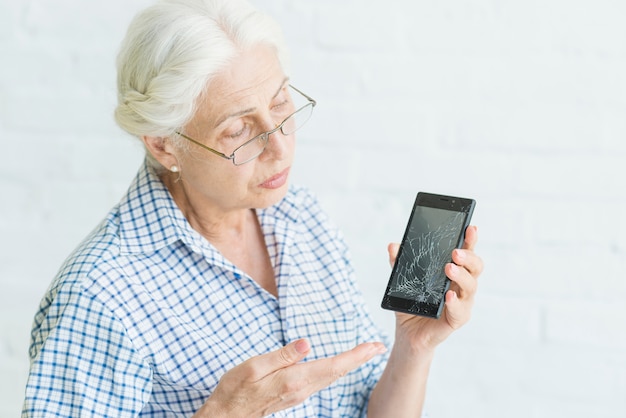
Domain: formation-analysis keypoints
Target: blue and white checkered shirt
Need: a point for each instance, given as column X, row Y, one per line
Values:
column 146, row 315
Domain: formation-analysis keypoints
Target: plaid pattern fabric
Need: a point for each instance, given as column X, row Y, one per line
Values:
column 146, row 315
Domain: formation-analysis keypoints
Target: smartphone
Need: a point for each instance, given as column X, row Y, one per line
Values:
column 418, row 283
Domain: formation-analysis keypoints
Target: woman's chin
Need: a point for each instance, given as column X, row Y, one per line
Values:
column 270, row 197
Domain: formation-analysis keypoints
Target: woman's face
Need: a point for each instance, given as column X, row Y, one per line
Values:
column 250, row 97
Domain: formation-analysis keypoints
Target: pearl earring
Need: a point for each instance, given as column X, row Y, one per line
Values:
column 174, row 169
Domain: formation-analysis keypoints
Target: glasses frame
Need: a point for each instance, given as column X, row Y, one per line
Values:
column 264, row 135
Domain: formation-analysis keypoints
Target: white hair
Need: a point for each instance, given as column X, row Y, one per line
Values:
column 172, row 50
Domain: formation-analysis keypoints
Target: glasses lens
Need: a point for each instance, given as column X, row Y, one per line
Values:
column 297, row 120
column 253, row 148
column 250, row 150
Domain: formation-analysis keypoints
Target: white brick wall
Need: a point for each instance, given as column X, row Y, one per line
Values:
column 520, row 105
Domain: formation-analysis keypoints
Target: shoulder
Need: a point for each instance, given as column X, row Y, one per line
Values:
column 101, row 246
column 67, row 289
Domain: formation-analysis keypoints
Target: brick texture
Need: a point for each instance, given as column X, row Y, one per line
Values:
column 520, row 105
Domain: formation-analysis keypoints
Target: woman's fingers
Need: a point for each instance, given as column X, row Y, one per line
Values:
column 466, row 266
column 323, row 372
column 392, row 249
column 266, row 364
column 278, row 380
column 298, row 382
column 468, row 260
column 471, row 237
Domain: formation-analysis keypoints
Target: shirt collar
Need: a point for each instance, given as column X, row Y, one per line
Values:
column 288, row 209
column 151, row 220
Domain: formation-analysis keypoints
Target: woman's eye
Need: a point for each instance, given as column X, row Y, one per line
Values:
column 280, row 106
column 237, row 132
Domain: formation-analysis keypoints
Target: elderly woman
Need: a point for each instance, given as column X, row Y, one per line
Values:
column 215, row 289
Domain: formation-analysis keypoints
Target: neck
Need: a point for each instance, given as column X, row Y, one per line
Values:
column 215, row 223
column 235, row 233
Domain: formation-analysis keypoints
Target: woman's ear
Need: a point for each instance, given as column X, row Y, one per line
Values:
column 162, row 150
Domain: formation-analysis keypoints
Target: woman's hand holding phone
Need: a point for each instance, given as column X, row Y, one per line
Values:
column 424, row 334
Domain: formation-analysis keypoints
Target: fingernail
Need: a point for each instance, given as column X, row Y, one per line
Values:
column 379, row 348
column 302, row 346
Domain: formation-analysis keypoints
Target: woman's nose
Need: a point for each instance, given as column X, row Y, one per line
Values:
column 277, row 143
column 268, row 124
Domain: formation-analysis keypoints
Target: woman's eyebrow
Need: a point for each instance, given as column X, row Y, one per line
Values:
column 282, row 85
column 234, row 115
column 251, row 109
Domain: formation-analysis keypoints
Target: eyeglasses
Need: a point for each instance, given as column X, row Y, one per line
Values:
column 254, row 147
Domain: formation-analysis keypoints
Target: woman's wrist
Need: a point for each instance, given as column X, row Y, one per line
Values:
column 414, row 344
column 412, row 352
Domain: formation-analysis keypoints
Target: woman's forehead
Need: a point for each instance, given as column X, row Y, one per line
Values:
column 252, row 79
column 222, row 105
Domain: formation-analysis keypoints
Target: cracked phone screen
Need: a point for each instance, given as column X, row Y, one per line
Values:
column 428, row 245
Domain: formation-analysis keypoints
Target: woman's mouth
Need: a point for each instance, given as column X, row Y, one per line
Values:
column 277, row 180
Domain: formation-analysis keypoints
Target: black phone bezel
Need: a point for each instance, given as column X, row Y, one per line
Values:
column 438, row 201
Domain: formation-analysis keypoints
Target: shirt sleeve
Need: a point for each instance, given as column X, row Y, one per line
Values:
column 83, row 363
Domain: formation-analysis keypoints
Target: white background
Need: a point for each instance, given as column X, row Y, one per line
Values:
column 520, row 105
